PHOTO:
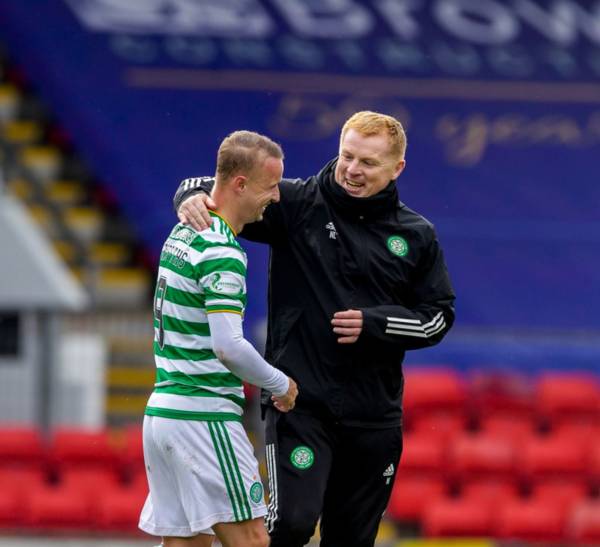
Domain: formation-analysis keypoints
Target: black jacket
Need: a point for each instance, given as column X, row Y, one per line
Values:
column 332, row 252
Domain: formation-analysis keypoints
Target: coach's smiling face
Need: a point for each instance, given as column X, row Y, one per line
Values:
column 366, row 164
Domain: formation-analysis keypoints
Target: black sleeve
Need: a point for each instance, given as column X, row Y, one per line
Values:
column 189, row 187
column 272, row 229
column 428, row 321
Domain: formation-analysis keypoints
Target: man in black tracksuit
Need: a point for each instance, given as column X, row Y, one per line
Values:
column 356, row 278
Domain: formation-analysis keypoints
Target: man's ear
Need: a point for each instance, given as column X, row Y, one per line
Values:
column 399, row 168
column 239, row 183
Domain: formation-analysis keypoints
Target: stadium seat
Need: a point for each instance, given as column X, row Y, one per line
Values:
column 423, row 453
column 16, row 483
column 20, row 133
column 487, row 491
column 73, row 447
column 567, row 394
column 22, row 477
column 583, row 527
column 132, row 452
column 138, row 480
column 411, row 494
column 433, row 389
column 10, row 99
column 594, row 463
column 501, row 393
column 586, row 428
column 89, row 480
column 481, row 455
column 65, row 193
column 85, row 222
column 12, row 509
column 507, row 425
column 118, row 509
column 21, row 445
column 530, row 519
column 553, row 456
column 565, row 492
column 439, row 424
column 465, row 517
column 43, row 162
column 55, row 508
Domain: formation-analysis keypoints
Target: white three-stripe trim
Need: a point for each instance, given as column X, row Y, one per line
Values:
column 414, row 327
column 273, row 494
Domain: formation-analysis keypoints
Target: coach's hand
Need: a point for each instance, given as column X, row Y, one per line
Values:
column 348, row 324
column 194, row 211
column 286, row 402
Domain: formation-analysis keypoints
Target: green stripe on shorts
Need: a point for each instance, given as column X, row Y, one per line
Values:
column 216, row 444
column 230, row 470
column 236, row 467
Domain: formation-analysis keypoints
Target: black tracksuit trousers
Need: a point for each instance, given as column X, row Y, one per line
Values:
column 341, row 474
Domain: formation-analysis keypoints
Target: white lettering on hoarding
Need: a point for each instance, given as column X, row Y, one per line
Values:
column 480, row 21
column 484, row 22
column 225, row 18
column 326, row 18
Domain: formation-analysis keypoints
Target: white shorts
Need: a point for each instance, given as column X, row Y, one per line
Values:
column 199, row 474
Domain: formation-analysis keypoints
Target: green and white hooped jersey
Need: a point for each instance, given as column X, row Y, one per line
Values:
column 200, row 273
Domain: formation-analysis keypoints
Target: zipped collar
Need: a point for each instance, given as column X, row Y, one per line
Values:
column 371, row 207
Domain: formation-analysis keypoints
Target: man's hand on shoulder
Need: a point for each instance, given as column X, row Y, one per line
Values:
column 194, row 211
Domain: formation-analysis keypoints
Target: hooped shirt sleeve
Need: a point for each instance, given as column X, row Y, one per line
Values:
column 425, row 323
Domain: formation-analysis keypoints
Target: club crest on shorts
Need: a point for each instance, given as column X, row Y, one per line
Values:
column 302, row 457
column 256, row 492
column 397, row 245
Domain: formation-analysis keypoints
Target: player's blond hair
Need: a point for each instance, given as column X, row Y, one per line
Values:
column 243, row 151
column 373, row 123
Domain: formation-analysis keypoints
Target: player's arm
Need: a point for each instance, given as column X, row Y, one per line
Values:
column 192, row 201
column 224, row 291
column 239, row 356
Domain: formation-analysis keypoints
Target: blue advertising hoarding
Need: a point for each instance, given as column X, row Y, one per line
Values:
column 500, row 99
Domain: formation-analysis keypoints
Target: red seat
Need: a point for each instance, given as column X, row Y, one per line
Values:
column 21, row 478
column 132, row 453
column 423, row 453
column 17, row 483
column 553, row 456
column 411, row 495
column 586, row 428
column 58, row 509
column 457, row 517
column 560, row 394
column 488, row 491
column 73, row 447
column 530, row 519
column 481, row 455
column 435, row 389
column 439, row 424
column 507, row 425
column 90, row 481
column 594, row 462
column 501, row 392
column 21, row 445
column 565, row 492
column 12, row 508
column 118, row 509
column 139, row 480
column 584, row 523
